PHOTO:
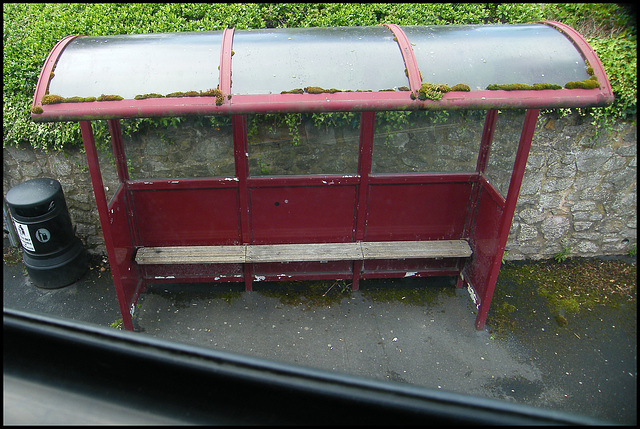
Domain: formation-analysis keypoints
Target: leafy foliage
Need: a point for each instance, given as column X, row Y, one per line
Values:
column 30, row 30
column 594, row 19
column 619, row 56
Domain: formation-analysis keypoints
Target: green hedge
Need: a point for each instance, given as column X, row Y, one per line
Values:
column 30, row 30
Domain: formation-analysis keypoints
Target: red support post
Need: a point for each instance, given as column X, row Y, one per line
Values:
column 528, row 129
column 481, row 165
column 487, row 140
column 105, row 222
column 367, row 131
column 118, row 149
column 241, row 154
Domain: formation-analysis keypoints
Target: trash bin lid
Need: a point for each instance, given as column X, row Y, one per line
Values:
column 34, row 197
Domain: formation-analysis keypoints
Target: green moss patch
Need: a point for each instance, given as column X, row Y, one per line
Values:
column 55, row 99
column 523, row 87
column 407, row 294
column 109, row 97
column 432, row 91
column 52, row 99
column 590, row 83
column 145, row 96
column 310, row 294
column 319, row 90
column 208, row 93
column 566, row 289
column 12, row 255
column 574, row 285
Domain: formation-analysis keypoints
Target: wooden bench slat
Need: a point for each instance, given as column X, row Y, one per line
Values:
column 416, row 249
column 191, row 255
column 303, row 252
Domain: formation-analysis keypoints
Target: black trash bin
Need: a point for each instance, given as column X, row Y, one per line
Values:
column 53, row 255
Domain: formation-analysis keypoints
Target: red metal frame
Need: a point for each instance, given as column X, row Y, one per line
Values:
column 248, row 210
column 346, row 101
column 49, row 64
column 225, row 61
column 114, row 220
column 339, row 101
column 267, row 210
column 413, row 73
column 493, row 221
column 367, row 126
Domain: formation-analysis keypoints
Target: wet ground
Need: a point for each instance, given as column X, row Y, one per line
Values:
column 416, row 331
column 590, row 354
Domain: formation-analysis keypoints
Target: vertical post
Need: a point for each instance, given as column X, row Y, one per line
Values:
column 241, row 155
column 123, row 176
column 528, row 129
column 367, row 129
column 481, row 165
column 118, row 149
column 123, row 172
column 487, row 139
column 105, row 222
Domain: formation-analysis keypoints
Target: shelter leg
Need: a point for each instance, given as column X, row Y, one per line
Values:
column 126, row 285
column 528, row 129
column 460, row 282
column 357, row 268
column 248, row 277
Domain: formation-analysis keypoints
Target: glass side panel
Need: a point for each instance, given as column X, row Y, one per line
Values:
column 506, row 138
column 295, row 144
column 130, row 65
column 269, row 61
column 500, row 54
column 427, row 142
column 182, row 149
column 106, row 159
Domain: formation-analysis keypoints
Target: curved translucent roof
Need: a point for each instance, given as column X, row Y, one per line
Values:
column 318, row 69
column 344, row 58
column 128, row 65
column 500, row 54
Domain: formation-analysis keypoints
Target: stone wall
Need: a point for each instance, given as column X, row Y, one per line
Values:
column 578, row 194
column 70, row 169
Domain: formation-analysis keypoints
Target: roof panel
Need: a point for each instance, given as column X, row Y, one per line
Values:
column 345, row 58
column 130, row 65
column 499, row 54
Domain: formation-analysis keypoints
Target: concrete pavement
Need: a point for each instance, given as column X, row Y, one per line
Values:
column 589, row 369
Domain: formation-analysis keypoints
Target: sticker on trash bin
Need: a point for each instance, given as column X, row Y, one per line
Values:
column 25, row 237
column 43, row 235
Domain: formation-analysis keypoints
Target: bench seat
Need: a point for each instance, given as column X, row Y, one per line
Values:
column 257, row 253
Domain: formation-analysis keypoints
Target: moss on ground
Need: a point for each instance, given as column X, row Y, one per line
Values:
column 314, row 294
column 11, row 255
column 568, row 288
column 407, row 294
column 310, row 294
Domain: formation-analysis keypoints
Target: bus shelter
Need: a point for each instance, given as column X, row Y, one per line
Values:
column 247, row 228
